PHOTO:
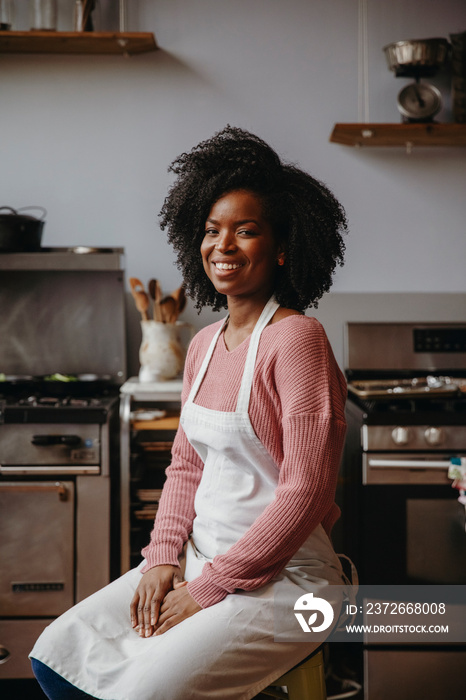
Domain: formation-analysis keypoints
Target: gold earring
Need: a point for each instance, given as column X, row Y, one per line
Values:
column 281, row 261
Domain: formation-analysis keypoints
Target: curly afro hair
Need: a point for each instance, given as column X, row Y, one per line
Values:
column 305, row 217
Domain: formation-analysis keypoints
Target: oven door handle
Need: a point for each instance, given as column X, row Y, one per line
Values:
column 47, row 471
column 410, row 463
column 45, row 440
column 58, row 486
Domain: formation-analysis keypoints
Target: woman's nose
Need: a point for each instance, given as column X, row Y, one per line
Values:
column 225, row 242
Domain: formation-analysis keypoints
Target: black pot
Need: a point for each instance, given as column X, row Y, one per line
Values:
column 20, row 233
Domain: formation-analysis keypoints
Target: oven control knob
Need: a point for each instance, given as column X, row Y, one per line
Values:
column 4, row 654
column 434, row 436
column 400, row 435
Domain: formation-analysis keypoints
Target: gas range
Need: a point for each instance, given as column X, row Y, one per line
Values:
column 402, row 522
column 62, row 360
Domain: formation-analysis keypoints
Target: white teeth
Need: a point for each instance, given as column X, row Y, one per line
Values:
column 226, row 266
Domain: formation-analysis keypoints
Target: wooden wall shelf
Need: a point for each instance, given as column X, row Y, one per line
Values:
column 405, row 135
column 123, row 43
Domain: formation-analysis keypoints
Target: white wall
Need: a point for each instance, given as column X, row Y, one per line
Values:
column 90, row 137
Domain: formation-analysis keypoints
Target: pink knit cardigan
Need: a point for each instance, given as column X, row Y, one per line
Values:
column 297, row 412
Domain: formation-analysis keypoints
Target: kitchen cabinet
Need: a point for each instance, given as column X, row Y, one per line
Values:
column 405, row 135
column 145, row 451
column 123, row 43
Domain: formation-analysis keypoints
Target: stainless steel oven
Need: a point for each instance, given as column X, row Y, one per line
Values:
column 62, row 362
column 402, row 522
column 55, row 516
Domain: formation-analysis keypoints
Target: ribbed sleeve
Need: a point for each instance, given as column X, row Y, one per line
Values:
column 297, row 411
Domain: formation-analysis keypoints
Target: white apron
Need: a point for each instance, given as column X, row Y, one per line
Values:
column 226, row 651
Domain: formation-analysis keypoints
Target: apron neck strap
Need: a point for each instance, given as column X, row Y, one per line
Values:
column 244, row 395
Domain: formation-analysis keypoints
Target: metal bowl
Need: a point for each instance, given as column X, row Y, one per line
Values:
column 417, row 56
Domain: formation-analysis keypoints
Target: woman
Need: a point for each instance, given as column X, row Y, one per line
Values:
column 254, row 464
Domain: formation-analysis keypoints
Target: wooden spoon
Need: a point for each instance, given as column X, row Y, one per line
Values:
column 158, row 296
column 154, row 292
column 179, row 296
column 135, row 284
column 168, row 309
column 140, row 297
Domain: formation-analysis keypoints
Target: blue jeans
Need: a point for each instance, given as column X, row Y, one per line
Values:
column 55, row 686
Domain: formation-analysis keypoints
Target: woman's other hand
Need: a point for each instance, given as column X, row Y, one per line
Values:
column 176, row 607
column 149, row 596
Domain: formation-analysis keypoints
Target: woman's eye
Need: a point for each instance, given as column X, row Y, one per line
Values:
column 247, row 232
column 211, row 232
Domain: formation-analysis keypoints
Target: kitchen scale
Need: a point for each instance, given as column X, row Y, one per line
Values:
column 417, row 102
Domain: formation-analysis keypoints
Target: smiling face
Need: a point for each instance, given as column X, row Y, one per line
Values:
column 239, row 250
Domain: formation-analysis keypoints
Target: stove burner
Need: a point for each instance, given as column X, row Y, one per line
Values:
column 81, row 402
column 48, row 401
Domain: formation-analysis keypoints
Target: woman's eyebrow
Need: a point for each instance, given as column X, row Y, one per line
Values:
column 237, row 223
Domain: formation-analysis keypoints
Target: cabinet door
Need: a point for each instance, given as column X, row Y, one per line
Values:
column 36, row 548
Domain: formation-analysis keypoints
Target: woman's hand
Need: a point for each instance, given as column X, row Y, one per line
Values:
column 149, row 596
column 176, row 607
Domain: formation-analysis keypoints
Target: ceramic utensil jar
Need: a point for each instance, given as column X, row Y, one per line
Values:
column 43, row 15
column 162, row 352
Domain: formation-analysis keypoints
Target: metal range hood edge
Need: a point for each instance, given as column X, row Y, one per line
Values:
column 61, row 259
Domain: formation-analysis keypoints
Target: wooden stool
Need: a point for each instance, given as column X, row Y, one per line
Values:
column 306, row 681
